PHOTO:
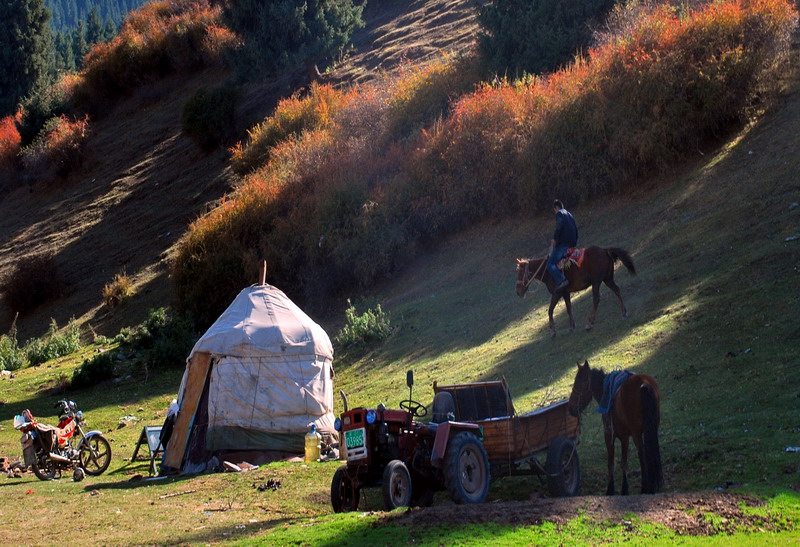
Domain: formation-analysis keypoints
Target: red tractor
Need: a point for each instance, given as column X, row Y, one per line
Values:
column 408, row 459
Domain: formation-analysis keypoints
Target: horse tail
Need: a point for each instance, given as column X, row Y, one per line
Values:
column 621, row 254
column 650, row 448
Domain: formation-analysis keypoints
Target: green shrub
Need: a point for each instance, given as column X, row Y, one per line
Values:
column 54, row 344
column 11, row 355
column 164, row 339
column 536, row 36
column 42, row 106
column 281, row 34
column 93, row 371
column 58, row 147
column 208, row 116
column 293, row 116
column 370, row 326
column 422, row 95
column 172, row 343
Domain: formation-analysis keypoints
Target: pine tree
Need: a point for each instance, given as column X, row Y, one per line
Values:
column 79, row 45
column 65, row 53
column 535, row 36
column 111, row 29
column 95, row 31
column 282, row 33
column 26, row 53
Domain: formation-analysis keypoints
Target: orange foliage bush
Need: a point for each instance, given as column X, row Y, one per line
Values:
column 156, row 39
column 342, row 185
column 292, row 116
column 637, row 103
column 10, row 140
column 422, row 94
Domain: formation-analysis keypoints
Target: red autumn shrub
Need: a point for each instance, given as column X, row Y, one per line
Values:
column 9, row 142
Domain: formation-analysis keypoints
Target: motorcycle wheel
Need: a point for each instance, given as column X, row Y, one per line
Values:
column 43, row 467
column 95, row 455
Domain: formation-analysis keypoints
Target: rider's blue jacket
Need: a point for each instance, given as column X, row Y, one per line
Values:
column 566, row 230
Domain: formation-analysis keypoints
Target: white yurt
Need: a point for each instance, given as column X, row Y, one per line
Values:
column 255, row 381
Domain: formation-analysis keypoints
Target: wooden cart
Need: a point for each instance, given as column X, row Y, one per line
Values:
column 514, row 442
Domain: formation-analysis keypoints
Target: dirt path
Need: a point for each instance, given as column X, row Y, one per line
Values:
column 686, row 514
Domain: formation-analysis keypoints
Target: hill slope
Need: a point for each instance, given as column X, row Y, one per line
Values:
column 143, row 180
column 713, row 310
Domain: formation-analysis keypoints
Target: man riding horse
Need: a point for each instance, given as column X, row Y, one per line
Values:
column 564, row 237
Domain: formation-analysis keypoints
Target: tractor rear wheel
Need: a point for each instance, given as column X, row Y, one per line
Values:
column 343, row 496
column 466, row 469
column 396, row 485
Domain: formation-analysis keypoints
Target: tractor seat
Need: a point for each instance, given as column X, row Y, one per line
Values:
column 444, row 408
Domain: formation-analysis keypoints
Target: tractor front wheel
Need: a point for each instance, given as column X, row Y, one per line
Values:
column 396, row 485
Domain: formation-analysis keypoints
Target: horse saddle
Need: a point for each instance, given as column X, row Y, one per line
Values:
column 611, row 384
column 573, row 256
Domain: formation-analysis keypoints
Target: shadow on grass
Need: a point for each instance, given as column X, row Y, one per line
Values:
column 134, row 483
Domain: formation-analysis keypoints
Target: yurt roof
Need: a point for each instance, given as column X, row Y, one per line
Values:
column 263, row 322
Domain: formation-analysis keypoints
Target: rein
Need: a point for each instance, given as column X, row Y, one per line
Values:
column 527, row 269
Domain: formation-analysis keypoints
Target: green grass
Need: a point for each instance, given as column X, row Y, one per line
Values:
column 713, row 316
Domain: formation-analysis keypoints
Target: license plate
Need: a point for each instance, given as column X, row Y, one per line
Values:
column 354, row 438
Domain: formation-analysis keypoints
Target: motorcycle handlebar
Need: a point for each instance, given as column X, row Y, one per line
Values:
column 59, row 403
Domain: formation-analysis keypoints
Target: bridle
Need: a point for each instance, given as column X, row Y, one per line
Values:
column 527, row 281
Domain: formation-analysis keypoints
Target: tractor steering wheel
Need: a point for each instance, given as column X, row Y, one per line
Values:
column 418, row 410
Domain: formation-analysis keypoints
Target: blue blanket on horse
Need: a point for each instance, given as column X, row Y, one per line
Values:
column 611, row 385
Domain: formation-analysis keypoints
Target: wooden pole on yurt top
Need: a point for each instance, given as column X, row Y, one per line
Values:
column 264, row 273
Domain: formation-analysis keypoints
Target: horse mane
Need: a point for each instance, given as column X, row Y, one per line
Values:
column 597, row 377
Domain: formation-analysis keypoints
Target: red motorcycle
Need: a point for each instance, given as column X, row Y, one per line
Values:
column 49, row 450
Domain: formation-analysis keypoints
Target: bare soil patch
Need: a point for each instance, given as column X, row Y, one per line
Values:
column 695, row 514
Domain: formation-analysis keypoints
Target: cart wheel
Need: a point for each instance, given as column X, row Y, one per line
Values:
column 396, row 485
column 466, row 469
column 343, row 496
column 563, row 468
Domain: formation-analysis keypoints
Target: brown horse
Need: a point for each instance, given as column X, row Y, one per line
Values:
column 597, row 267
column 634, row 411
